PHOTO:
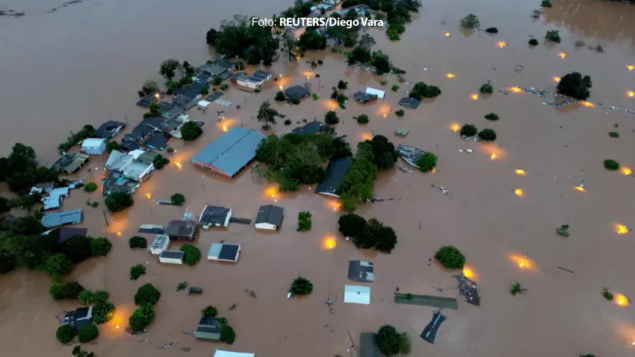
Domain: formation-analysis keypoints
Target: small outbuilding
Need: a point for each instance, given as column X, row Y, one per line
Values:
column 159, row 244
column 61, row 218
column 269, row 217
column 70, row 163
column 204, row 104
column 364, row 97
column 94, row 146
column 109, row 129
column 354, row 294
column 208, row 329
column 379, row 93
column 79, row 317
column 361, row 270
column 262, row 75
column 171, row 257
column 220, row 353
column 409, row 103
column 335, row 173
column 313, row 127
column 430, row 332
column 402, row 132
column 215, row 216
column 296, row 92
column 224, row 252
column 182, row 230
column 368, row 345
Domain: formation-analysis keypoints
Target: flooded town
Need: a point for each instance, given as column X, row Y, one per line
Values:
column 420, row 177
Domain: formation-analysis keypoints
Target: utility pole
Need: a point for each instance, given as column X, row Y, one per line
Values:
column 106, row 218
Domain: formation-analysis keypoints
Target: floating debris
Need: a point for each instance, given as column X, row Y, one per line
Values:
column 617, row 107
column 187, row 333
column 468, row 289
column 166, row 345
column 405, row 169
column 185, row 349
column 538, row 92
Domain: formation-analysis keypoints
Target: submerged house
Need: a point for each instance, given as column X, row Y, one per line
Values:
column 79, row 317
column 157, row 140
column 64, row 233
column 269, row 217
column 109, row 129
column 208, row 329
column 223, row 252
column 265, row 76
column 94, row 146
column 410, row 154
column 409, row 103
column 171, row 257
column 354, row 294
column 147, row 100
column 138, row 171
column 242, row 79
column 372, row 91
column 221, row 69
column 369, row 347
column 430, row 332
column 54, row 198
column 231, row 152
column 215, row 216
column 159, row 244
column 361, row 270
column 296, row 92
column 313, row 127
column 220, row 353
column 335, row 173
column 364, row 97
column 61, row 218
column 115, row 181
column 181, row 230
column 70, row 163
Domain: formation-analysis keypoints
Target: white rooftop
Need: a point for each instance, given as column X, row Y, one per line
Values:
column 93, row 142
column 220, row 353
column 354, row 294
column 204, row 103
column 379, row 93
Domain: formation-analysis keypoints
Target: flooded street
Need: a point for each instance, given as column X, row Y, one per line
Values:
column 84, row 63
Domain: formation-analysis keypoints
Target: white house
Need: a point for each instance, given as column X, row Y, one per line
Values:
column 160, row 243
column 94, row 146
column 379, row 93
column 269, row 217
column 249, row 82
column 220, row 353
column 224, row 252
column 171, row 257
column 137, row 170
column 354, row 294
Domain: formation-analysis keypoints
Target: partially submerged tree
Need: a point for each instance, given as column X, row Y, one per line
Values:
column 607, row 294
column 304, row 221
column 468, row 130
column 331, row 118
column 141, row 317
column 210, row 37
column 533, row 42
column 266, row 114
column 169, row 68
column 517, row 289
column 487, row 135
column 136, row 271
column 190, row 131
column 351, row 225
column 209, row 311
column 487, row 88
column 147, row 294
column 177, row 199
column 238, row 38
column 118, row 201
column 312, row 40
column 301, row 286
column 159, row 161
column 65, row 333
column 492, row 30
column 362, row 119
column 391, row 342
column 90, row 187
column 491, row 116
column 470, row 22
column 576, row 86
column 427, row 162
column 553, row 36
column 137, row 242
column 381, row 61
column 563, row 231
column 422, row 90
column 450, row 257
column 87, row 333
column 192, row 254
column 611, row 165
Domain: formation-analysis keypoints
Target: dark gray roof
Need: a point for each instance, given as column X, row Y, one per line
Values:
column 203, row 78
column 157, row 140
column 79, row 317
column 109, row 129
column 364, row 97
column 145, row 101
column 410, row 154
column 64, row 233
column 163, row 106
column 361, row 270
column 296, row 92
column 70, row 163
column 170, row 125
column 187, row 92
column 409, row 103
column 116, row 182
column 153, row 122
column 181, row 229
column 208, row 328
column 231, row 152
column 368, row 345
column 173, row 112
column 313, row 127
column 430, row 332
column 261, row 74
column 229, row 252
column 335, row 173
column 129, row 146
column 172, row 254
column 215, row 95
column 214, row 216
column 270, row 214
column 60, row 218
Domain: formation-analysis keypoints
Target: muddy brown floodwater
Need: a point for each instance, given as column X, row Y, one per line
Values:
column 84, row 63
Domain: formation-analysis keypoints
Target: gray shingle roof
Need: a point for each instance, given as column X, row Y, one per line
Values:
column 361, row 270
column 368, row 345
column 214, row 216
column 229, row 252
column 62, row 217
column 172, row 254
column 208, row 328
column 270, row 214
column 335, row 173
column 313, row 127
column 296, row 92
column 231, row 152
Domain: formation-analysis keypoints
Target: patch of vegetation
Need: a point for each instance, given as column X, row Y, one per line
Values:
column 599, row 49
column 379, row 150
column 224, row 86
column 159, row 161
column 579, row 43
column 400, row 113
column 177, row 199
column 147, row 294
column 487, row 88
column 576, row 86
column 102, row 308
column 533, row 42
column 137, row 242
column 468, row 130
column 331, row 118
column 238, row 38
column 607, row 294
column 190, row 131
column 78, row 352
column 100, row 247
column 85, row 297
column 368, row 235
column 209, row 311
column 266, row 114
column 68, row 290
column 362, row 119
column 491, row 116
column 315, row 96
column 614, row 134
column 427, row 162
column 65, row 333
column 217, row 81
column 58, row 265
column 563, row 231
column 136, row 271
column 288, row 122
column 227, row 334
column 611, row 165
column 394, row 88
column 181, row 286
column 192, row 254
column 450, row 257
column 280, row 96
column 304, row 221
column 422, row 90
column 90, row 187
column 118, row 201
column 141, row 317
column 553, row 36
column 546, row 3
column 21, row 171
column 470, row 22
column 517, row 289
column 88, row 131
column 301, row 286
column 491, row 30
column 383, row 82
column 487, row 135
column 360, row 178
column 393, row 343
column 342, row 85
column 87, row 333
column 311, row 40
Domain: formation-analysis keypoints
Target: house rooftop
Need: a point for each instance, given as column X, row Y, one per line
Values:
column 214, row 216
column 364, row 97
column 159, row 241
column 223, row 251
column 115, row 181
column 79, row 317
column 368, row 345
column 335, row 173
column 70, row 163
column 172, row 254
column 54, row 199
column 313, row 127
column 296, row 92
column 409, row 103
column 361, row 270
column 231, row 152
column 60, row 218
column 117, row 161
column 410, row 154
column 214, row 69
column 157, row 141
column 178, row 228
column 109, row 129
column 265, row 76
column 135, row 169
column 270, row 214
column 64, row 233
column 145, row 101
column 208, row 329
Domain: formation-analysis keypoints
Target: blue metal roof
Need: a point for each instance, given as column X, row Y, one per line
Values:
column 62, row 217
column 232, row 151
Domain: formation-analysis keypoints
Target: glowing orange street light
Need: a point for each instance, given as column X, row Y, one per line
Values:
column 118, row 234
column 385, row 115
column 588, row 104
column 468, row 272
column 501, row 44
column 556, row 79
column 225, row 128
column 520, row 172
column 455, row 127
column 148, row 196
column 494, row 156
column 434, row 171
column 474, row 96
column 178, row 164
column 519, row 192
column 580, row 188
column 621, row 300
column 450, row 75
column 630, row 67
column 626, row 171
column 621, row 229
column 630, row 93
column 562, row 55
column 516, row 89
column 329, row 243
column 280, row 87
column 447, row 34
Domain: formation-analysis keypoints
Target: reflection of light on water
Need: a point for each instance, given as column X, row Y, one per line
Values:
column 225, row 128
column 501, row 44
column 385, row 115
column 450, row 75
column 630, row 93
column 455, row 127
column 580, row 188
column 626, row 171
column 366, row 135
column 522, row 261
column 280, row 87
column 329, row 243
column 447, row 34
column 621, row 229
column 493, row 156
column 621, row 300
column 469, row 272
column 335, row 205
column 519, row 192
column 516, row 89
column 556, row 79
column 630, row 67
column 588, row 104
column 474, row 96
column 178, row 164
column 118, row 234
column 434, row 171
column 562, row 55
column 148, row 196
column 520, row 172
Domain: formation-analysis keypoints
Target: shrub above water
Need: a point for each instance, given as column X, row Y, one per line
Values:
column 65, row 333
column 470, row 22
column 301, row 286
column 468, row 130
column 88, row 333
column 487, row 135
column 575, row 85
column 491, row 116
column 553, row 36
column 491, row 30
column 533, row 42
column 362, row 119
column 450, row 257
column 487, row 88
column 611, row 165
column 137, row 242
column 427, row 162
